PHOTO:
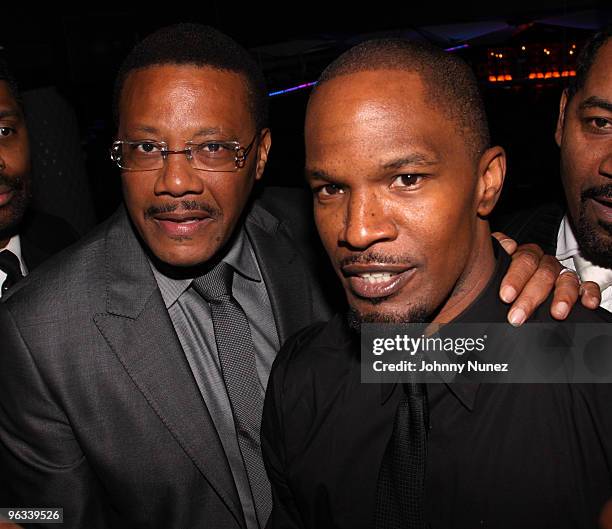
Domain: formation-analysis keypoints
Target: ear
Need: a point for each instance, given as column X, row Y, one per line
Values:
column 561, row 118
column 265, row 142
column 491, row 171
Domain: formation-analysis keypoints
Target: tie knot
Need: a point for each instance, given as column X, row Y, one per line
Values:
column 216, row 284
column 9, row 264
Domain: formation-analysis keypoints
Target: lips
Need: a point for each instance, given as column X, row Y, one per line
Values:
column 182, row 224
column 374, row 280
column 6, row 194
column 602, row 207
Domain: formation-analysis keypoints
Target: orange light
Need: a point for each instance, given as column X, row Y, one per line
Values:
column 532, row 75
column 574, row 46
column 500, row 77
column 507, row 77
column 556, row 74
column 501, row 55
column 572, row 73
column 564, row 73
column 547, row 75
column 540, row 75
column 492, row 78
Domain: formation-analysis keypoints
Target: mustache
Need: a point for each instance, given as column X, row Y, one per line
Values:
column 186, row 205
column 603, row 191
column 374, row 257
column 16, row 184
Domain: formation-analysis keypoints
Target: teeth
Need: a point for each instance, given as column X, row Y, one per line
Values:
column 376, row 277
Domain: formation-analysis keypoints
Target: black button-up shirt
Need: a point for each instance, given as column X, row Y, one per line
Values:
column 498, row 455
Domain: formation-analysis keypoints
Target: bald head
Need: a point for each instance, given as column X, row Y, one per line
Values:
column 448, row 81
column 402, row 181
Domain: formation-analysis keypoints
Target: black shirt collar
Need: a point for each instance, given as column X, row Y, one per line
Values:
column 487, row 307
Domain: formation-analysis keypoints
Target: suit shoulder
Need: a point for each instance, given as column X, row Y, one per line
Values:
column 48, row 232
column 537, row 225
column 578, row 314
column 62, row 279
column 291, row 206
column 581, row 314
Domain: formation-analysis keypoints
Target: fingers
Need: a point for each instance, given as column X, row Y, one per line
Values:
column 536, row 290
column 567, row 289
column 525, row 262
column 590, row 294
column 507, row 243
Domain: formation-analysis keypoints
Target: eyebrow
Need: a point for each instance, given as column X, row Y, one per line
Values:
column 207, row 131
column 412, row 159
column 318, row 174
column 152, row 130
column 9, row 114
column 596, row 102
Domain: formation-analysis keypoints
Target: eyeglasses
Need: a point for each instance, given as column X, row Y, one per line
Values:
column 144, row 155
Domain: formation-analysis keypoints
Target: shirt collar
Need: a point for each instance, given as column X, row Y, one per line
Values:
column 567, row 245
column 487, row 307
column 14, row 245
column 240, row 256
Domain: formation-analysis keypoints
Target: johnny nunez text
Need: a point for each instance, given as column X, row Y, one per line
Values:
column 434, row 366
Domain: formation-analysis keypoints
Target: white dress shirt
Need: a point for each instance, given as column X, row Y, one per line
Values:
column 14, row 245
column 568, row 254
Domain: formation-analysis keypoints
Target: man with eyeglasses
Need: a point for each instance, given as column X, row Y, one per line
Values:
column 132, row 374
column 161, row 327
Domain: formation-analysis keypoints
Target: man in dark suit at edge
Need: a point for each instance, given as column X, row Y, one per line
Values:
column 27, row 237
column 132, row 370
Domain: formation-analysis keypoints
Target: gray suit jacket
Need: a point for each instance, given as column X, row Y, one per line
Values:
column 99, row 411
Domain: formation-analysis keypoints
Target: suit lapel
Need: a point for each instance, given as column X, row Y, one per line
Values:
column 139, row 331
column 283, row 272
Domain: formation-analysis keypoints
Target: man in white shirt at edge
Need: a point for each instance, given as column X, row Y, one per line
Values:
column 584, row 134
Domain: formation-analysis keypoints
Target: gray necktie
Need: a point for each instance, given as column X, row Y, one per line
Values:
column 9, row 264
column 237, row 359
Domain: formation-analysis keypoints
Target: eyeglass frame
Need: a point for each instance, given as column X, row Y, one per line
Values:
column 239, row 160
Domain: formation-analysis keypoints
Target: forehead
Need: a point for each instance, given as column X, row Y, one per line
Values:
column 384, row 110
column 169, row 94
column 375, row 97
column 7, row 100
column 599, row 78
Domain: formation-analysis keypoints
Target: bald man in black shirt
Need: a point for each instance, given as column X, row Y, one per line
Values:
column 403, row 176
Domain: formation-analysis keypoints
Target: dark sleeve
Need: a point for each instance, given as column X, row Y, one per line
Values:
column 41, row 463
column 537, row 226
column 285, row 513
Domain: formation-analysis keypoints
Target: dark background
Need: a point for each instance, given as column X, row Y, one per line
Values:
column 66, row 64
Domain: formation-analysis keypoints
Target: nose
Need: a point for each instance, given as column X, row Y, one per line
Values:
column 366, row 222
column 605, row 167
column 177, row 178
